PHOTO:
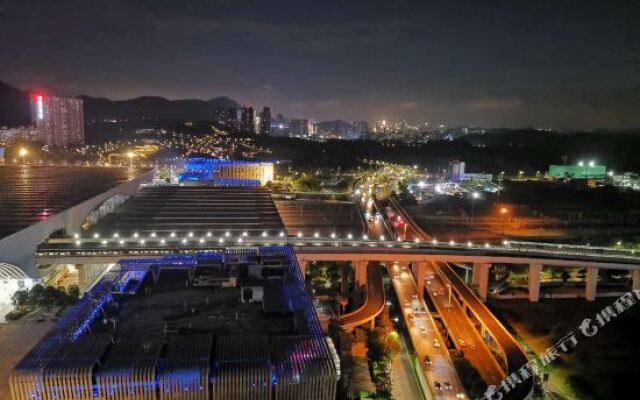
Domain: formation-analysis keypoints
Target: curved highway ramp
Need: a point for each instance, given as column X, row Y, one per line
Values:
column 515, row 355
column 373, row 304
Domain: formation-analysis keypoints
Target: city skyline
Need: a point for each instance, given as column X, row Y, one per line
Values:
column 319, row 200
column 543, row 64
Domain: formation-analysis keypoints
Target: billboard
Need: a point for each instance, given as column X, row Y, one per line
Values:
column 577, row 171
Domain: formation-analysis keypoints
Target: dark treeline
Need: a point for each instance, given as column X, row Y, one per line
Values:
column 529, row 151
column 508, row 150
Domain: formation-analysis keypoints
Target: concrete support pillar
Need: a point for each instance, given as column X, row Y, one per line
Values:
column 475, row 275
column 481, row 270
column 635, row 277
column 360, row 268
column 591, row 287
column 303, row 267
column 419, row 270
column 82, row 277
column 534, row 281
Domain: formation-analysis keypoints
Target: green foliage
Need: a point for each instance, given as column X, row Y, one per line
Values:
column 470, row 377
column 403, row 194
column 40, row 296
column 15, row 314
column 306, row 183
column 327, row 274
column 20, row 299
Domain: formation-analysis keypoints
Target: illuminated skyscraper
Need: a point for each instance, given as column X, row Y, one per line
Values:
column 59, row 120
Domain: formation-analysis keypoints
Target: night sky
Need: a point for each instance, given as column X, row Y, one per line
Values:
column 558, row 64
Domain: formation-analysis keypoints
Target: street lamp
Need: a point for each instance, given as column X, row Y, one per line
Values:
column 504, row 212
column 474, row 196
column 23, row 153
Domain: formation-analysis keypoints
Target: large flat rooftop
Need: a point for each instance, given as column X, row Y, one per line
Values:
column 325, row 217
column 237, row 323
column 31, row 194
column 197, row 209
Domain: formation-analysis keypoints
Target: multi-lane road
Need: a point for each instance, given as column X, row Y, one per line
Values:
column 428, row 343
column 462, row 331
column 514, row 354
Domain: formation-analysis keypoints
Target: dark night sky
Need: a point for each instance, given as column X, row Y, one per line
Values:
column 563, row 64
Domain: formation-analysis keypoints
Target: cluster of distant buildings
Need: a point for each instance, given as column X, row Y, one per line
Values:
column 247, row 120
column 56, row 122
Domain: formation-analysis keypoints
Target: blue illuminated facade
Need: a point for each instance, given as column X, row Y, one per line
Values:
column 72, row 362
column 205, row 169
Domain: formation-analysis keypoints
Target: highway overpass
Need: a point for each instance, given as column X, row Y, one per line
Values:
column 374, row 302
column 481, row 256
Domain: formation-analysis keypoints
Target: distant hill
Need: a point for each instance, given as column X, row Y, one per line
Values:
column 154, row 107
column 14, row 106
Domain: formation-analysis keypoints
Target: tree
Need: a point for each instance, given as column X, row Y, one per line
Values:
column 74, row 294
column 35, row 295
column 20, row 299
column 565, row 275
column 470, row 377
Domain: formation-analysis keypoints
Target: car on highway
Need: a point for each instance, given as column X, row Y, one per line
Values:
column 423, row 331
column 462, row 343
column 427, row 360
column 447, row 386
column 438, row 386
column 436, row 343
column 460, row 395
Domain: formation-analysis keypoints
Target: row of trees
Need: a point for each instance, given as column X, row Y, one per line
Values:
column 383, row 344
column 41, row 296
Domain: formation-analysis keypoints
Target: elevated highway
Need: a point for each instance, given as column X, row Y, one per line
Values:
column 515, row 356
column 374, row 303
column 109, row 250
column 460, row 328
column 347, row 249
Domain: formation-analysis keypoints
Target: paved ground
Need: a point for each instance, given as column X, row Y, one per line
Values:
column 404, row 380
column 325, row 217
column 16, row 339
column 461, row 328
column 441, row 368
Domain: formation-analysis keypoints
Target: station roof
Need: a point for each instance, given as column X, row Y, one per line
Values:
column 200, row 210
column 31, row 194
